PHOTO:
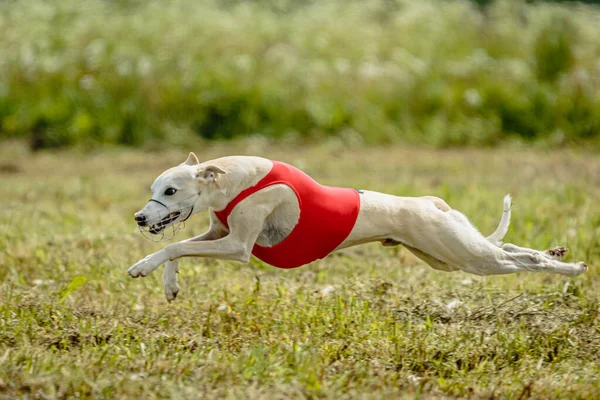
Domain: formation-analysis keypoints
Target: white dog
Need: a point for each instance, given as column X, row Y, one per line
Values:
column 281, row 215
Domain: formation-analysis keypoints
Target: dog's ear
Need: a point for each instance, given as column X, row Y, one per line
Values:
column 192, row 160
column 209, row 173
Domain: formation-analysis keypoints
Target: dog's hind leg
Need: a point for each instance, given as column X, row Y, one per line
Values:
column 431, row 261
column 556, row 253
column 529, row 261
column 446, row 239
column 451, row 239
column 457, row 243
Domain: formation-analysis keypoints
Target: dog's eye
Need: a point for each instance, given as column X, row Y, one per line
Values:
column 170, row 192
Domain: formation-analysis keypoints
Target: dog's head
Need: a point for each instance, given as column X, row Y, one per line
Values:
column 178, row 193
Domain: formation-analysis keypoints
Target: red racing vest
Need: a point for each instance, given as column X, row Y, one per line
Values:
column 327, row 216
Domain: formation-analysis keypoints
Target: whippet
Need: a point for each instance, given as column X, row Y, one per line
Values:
column 270, row 209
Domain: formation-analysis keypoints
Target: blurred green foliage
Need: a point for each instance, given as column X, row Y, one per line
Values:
column 440, row 73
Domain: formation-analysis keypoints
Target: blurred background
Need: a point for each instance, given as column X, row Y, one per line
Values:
column 434, row 73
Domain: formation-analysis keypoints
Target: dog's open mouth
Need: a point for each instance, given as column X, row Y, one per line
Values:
column 157, row 230
column 163, row 223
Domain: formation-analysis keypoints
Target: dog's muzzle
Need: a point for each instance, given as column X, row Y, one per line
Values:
column 158, row 224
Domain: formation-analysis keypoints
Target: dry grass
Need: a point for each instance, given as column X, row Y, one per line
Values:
column 73, row 325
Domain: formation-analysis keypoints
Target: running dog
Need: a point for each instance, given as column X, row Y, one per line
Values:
column 285, row 218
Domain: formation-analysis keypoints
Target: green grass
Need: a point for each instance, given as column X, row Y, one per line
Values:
column 433, row 72
column 72, row 324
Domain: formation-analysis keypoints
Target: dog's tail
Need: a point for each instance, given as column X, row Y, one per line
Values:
column 502, row 228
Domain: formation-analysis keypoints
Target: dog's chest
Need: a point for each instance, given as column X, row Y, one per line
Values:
column 279, row 225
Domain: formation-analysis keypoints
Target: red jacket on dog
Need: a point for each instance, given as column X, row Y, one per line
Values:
column 327, row 216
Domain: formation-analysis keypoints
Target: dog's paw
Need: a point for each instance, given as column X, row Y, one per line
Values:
column 557, row 253
column 171, row 292
column 143, row 267
column 577, row 269
column 583, row 268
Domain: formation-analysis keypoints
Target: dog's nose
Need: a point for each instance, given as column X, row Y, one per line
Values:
column 140, row 218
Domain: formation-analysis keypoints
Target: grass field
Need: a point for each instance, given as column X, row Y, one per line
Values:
column 72, row 324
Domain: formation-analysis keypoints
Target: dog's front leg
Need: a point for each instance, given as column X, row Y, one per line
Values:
column 226, row 248
column 170, row 279
column 170, row 272
column 148, row 264
column 172, row 266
